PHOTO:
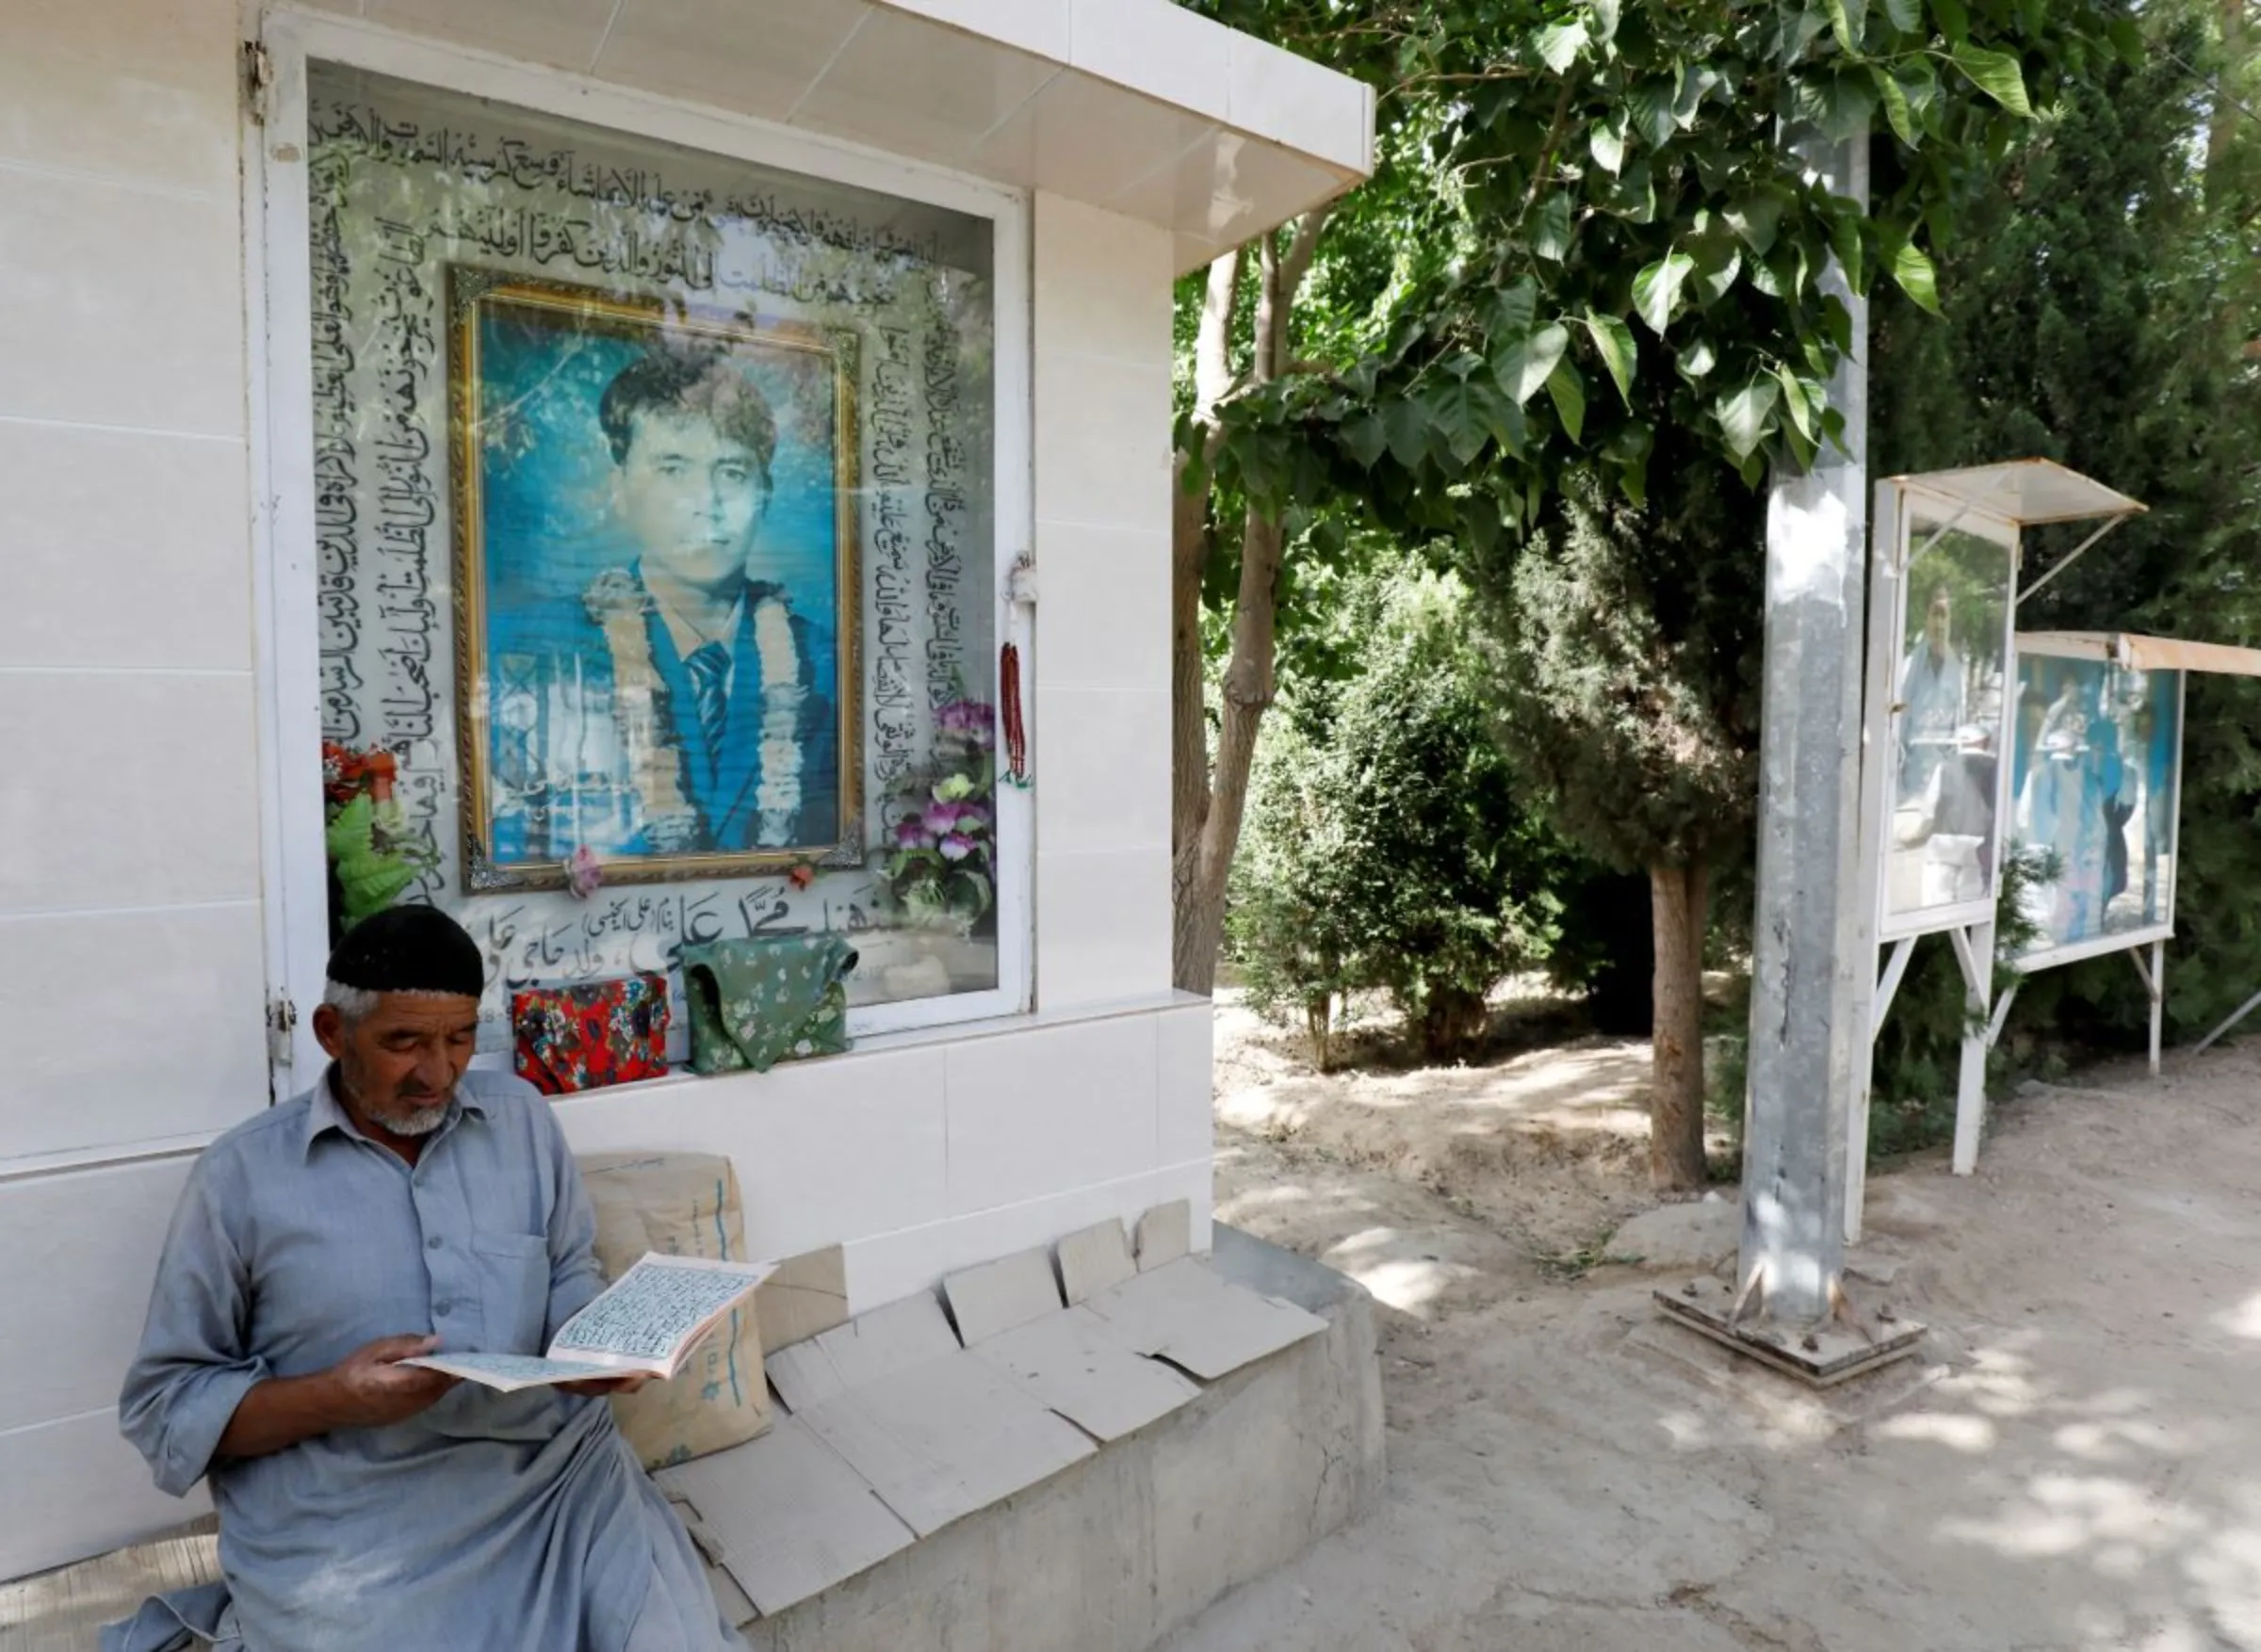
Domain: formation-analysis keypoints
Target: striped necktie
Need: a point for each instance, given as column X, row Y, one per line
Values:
column 709, row 666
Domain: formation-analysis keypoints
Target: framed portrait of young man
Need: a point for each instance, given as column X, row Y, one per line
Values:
column 656, row 586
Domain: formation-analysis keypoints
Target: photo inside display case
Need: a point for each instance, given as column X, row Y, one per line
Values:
column 655, row 523
column 1948, row 725
column 2096, row 777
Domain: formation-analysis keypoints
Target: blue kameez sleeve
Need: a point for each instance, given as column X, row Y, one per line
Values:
column 575, row 1278
column 192, row 1369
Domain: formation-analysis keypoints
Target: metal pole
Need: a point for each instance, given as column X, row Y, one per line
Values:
column 1810, row 934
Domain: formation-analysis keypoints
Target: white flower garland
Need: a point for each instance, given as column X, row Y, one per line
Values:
column 778, row 797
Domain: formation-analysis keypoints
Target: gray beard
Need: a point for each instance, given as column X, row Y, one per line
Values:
column 421, row 1122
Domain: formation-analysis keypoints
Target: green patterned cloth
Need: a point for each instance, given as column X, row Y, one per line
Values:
column 775, row 998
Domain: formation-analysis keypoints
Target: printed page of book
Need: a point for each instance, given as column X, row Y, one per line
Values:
column 509, row 1373
column 658, row 1310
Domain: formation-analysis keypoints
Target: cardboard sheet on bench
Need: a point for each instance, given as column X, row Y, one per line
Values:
column 791, row 1517
column 936, row 1433
column 1184, row 1313
column 1069, row 1362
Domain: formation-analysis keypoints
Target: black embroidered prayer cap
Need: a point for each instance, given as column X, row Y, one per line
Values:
column 409, row 949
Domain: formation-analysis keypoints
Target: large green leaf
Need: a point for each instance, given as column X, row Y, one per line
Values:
column 1656, row 289
column 1896, row 106
column 1954, row 20
column 1747, row 415
column 1997, row 74
column 1614, row 341
column 1405, row 426
column 1906, row 15
column 1652, row 114
column 1551, row 228
column 1513, row 309
column 1458, row 415
column 1365, row 439
column 1607, row 146
column 1528, row 365
column 1567, row 386
column 1913, row 269
column 1558, row 46
column 1758, row 220
column 1793, row 398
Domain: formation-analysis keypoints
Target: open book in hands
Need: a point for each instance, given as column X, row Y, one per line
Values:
column 648, row 1322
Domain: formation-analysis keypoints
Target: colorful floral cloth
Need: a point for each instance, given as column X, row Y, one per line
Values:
column 755, row 1003
column 586, row 1037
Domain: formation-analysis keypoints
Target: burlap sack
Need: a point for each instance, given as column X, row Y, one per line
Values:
column 682, row 1204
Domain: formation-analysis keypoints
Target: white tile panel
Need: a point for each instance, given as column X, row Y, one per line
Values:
column 120, row 307
column 126, row 790
column 102, row 1231
column 124, row 549
column 1230, row 186
column 565, row 33
column 1106, row 759
column 1102, row 441
column 1102, row 927
column 1297, row 103
column 824, row 1150
column 1037, row 27
column 1195, row 1183
column 1163, row 51
column 1060, row 1108
column 1187, row 1105
column 1102, row 285
column 1104, row 617
column 136, row 92
column 757, row 55
column 187, row 981
column 91, row 1489
column 1088, row 139
column 889, row 1267
column 906, row 84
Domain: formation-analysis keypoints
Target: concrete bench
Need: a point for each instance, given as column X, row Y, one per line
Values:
column 1025, row 1475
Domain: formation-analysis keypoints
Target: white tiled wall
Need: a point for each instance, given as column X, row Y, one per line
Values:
column 1102, row 656
column 131, row 968
column 130, row 952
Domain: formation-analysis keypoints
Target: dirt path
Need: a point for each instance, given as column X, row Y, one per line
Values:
column 2073, row 1461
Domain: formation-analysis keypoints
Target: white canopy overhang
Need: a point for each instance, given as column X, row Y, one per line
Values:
column 2023, row 492
column 2144, row 654
column 1134, row 105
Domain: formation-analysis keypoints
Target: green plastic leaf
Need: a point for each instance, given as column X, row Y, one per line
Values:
column 1527, row 366
column 1746, row 416
column 1997, row 74
column 1656, row 289
column 1896, row 111
column 1913, row 269
column 1551, row 228
column 1609, row 149
column 1954, row 20
column 1567, row 386
column 1558, row 46
column 1613, row 343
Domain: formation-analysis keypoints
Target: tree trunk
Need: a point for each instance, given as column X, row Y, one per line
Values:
column 1208, row 799
column 1679, row 896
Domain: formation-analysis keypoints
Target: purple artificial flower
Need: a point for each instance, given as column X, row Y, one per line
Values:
column 941, row 818
column 974, row 817
column 956, row 846
column 964, row 716
column 912, row 833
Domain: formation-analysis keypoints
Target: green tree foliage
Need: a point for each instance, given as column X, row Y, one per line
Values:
column 1385, row 847
column 1641, row 252
column 2096, row 313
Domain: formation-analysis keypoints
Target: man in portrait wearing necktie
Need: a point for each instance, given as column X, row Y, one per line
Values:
column 698, row 718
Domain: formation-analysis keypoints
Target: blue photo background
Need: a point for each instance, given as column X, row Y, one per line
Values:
column 546, row 470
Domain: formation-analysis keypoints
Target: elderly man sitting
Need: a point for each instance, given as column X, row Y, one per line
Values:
column 403, row 1205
